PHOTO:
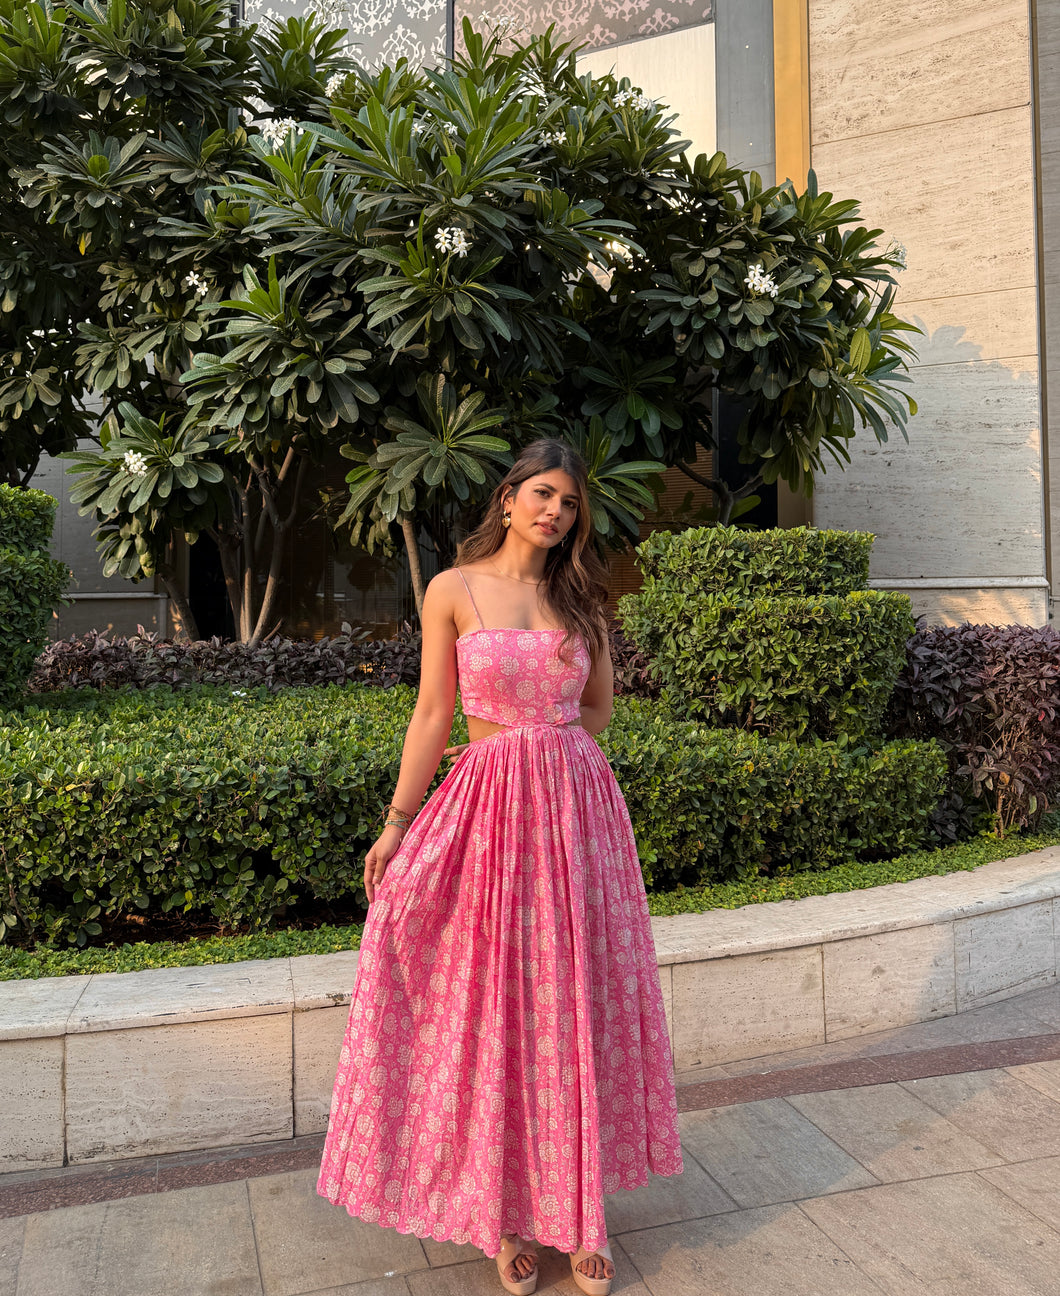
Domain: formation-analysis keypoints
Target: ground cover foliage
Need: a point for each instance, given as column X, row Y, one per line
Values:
column 145, row 660
column 990, row 696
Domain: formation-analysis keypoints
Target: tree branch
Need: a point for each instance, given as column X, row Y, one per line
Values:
column 408, row 530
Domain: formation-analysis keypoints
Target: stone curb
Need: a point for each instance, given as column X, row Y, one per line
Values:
column 115, row 1065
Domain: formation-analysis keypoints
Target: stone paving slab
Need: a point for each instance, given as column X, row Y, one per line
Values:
column 304, row 1242
column 396, row 1286
column 39, row 1008
column 1043, row 1076
column 766, row 1152
column 693, row 1194
column 955, row 1235
column 196, row 1242
column 11, row 1231
column 767, row 1251
column 167, row 996
column 1001, row 1112
column 1035, row 1185
column 892, row 1133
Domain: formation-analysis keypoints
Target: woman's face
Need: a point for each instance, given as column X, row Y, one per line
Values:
column 544, row 508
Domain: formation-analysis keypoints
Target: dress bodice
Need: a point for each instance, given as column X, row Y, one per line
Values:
column 517, row 677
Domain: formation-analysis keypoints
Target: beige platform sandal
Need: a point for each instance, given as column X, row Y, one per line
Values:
column 510, row 1248
column 592, row 1286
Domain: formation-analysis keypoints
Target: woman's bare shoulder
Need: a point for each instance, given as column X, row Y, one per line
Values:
column 448, row 590
column 442, row 589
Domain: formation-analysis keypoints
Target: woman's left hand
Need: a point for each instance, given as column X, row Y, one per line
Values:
column 454, row 752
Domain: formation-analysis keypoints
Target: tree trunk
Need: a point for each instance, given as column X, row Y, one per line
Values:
column 408, row 530
column 726, row 496
column 272, row 587
column 282, row 525
column 188, row 627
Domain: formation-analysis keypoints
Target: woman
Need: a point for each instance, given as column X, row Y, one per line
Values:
column 506, row 1061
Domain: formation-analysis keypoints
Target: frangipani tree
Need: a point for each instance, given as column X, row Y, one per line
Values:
column 534, row 239
column 122, row 118
column 423, row 269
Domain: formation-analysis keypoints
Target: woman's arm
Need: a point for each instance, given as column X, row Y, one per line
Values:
column 432, row 720
column 598, row 696
column 428, row 730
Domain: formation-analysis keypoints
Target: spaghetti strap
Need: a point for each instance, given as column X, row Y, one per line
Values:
column 472, row 598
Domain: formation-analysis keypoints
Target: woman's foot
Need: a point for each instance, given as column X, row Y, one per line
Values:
column 517, row 1265
column 593, row 1270
column 596, row 1266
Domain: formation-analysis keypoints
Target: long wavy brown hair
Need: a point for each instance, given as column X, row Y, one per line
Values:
column 575, row 578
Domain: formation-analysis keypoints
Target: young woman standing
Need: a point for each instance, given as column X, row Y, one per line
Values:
column 507, row 1061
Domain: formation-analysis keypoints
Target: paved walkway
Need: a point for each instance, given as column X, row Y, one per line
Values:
column 924, row 1160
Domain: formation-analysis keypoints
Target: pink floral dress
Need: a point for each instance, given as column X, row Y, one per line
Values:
column 507, row 1060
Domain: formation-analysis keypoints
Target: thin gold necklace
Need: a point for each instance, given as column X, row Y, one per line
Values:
column 514, row 578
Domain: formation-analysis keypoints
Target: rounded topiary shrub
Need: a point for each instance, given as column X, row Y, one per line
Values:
column 770, row 631
column 777, row 667
column 31, row 584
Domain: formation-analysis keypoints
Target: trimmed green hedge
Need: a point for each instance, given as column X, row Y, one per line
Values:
column 711, row 805
column 789, row 666
column 31, row 584
column 728, row 560
column 135, row 956
column 26, row 518
column 209, row 802
column 203, row 800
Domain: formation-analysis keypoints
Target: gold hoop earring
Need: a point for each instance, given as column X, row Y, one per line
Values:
column 506, row 520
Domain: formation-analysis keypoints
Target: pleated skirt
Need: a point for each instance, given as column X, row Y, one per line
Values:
column 506, row 1061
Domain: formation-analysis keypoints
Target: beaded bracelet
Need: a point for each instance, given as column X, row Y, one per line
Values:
column 402, row 821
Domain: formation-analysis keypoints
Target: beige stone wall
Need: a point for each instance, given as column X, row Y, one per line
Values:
column 1048, row 96
column 922, row 109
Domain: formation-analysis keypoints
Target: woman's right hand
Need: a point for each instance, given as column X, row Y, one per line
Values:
column 378, row 857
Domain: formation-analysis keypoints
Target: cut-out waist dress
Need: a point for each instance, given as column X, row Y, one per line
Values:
column 506, row 1061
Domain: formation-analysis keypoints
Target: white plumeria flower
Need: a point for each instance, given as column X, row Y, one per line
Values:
column 449, row 127
column 635, row 99
column 554, row 137
column 334, row 84
column 274, row 133
column 761, row 282
column 239, row 692
column 898, row 253
column 504, row 24
column 194, row 280
column 452, row 239
column 135, row 463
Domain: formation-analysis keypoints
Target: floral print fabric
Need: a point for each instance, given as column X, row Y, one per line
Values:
column 517, row 677
column 506, row 1061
